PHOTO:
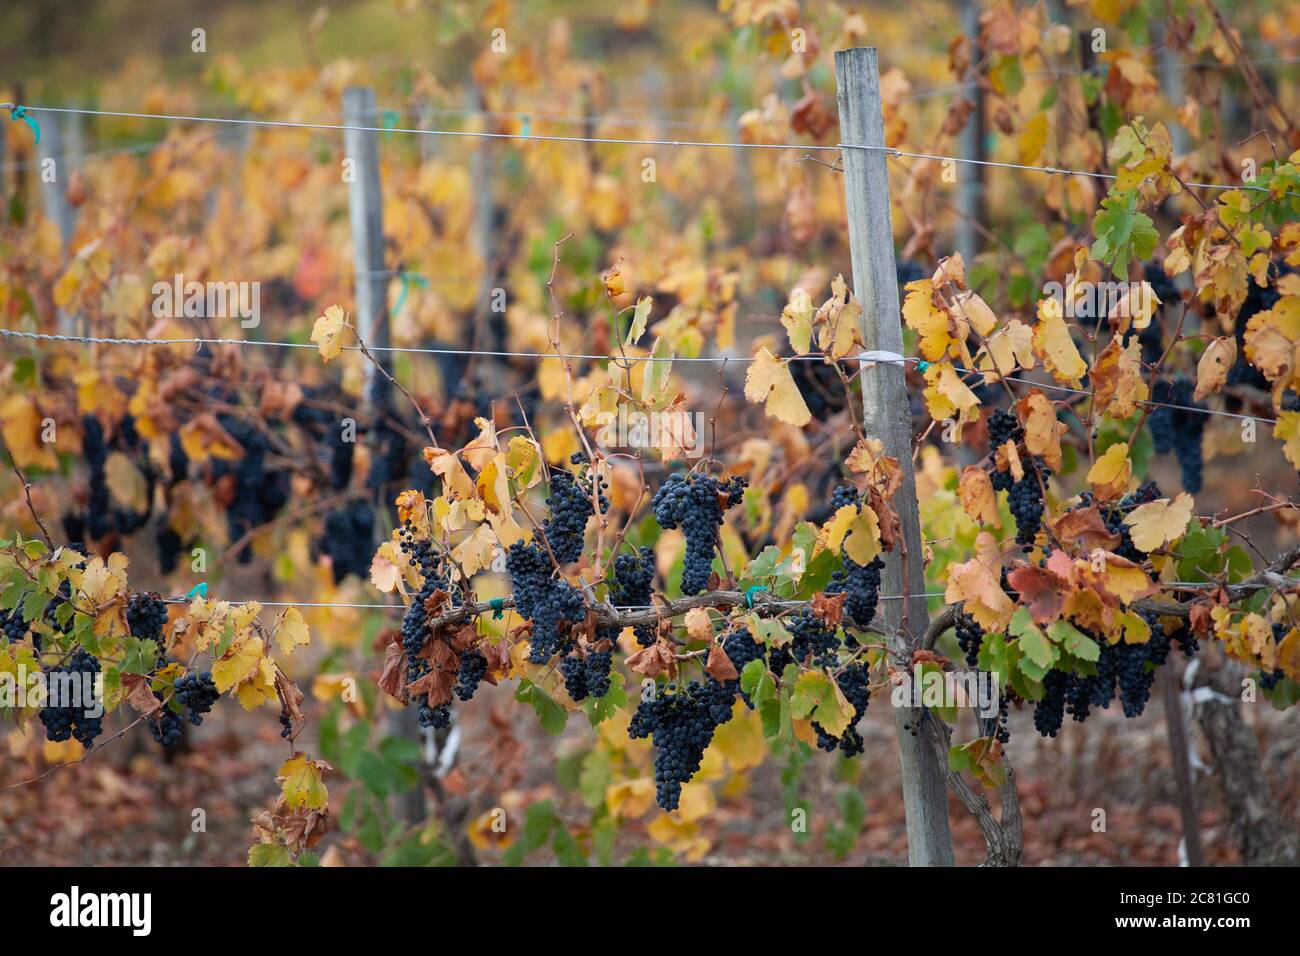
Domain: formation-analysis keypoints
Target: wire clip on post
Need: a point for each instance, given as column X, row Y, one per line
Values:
column 19, row 112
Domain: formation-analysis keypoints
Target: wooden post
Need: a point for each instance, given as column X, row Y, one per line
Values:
column 886, row 417
column 1170, row 681
column 970, row 197
column 53, row 171
column 366, row 213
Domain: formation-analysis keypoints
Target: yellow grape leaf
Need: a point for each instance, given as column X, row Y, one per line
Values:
column 862, row 543
column 104, row 580
column 387, row 565
column 613, row 279
column 292, row 631
column 740, row 740
column 125, row 482
column 797, row 317
column 838, row 526
column 1117, row 377
column 1110, row 474
column 1273, row 343
column 947, row 394
column 975, row 490
column 1032, row 138
column 475, row 552
column 698, row 624
column 640, row 315
column 412, row 507
column 259, row 688
column 1054, row 347
column 926, row 320
column 202, row 437
column 1287, row 430
column 493, row 485
column 1125, row 580
column 630, row 799
column 1288, row 654
column 657, row 370
column 238, row 663
column 484, row 446
column 1158, row 523
column 975, row 311
column 768, row 382
column 1212, row 369
column 1042, row 430
column 1134, row 308
column 328, row 332
column 20, row 420
column 523, row 458
column 978, row 584
column 456, row 481
column 1007, row 350
column 302, row 781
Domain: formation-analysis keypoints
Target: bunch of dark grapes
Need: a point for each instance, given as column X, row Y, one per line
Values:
column 166, row 726
column 811, row 638
column 570, row 503
column 574, row 671
column 1186, row 640
column 197, row 693
column 146, row 615
column 349, row 539
column 681, row 724
column 1179, row 429
column 1112, row 515
column 1026, row 502
column 598, row 667
column 741, row 648
column 996, row 727
column 550, row 603
column 694, row 503
column 861, row 584
column 13, row 626
column 970, row 636
column 1049, row 713
column 843, row 496
column 1134, row 678
column 634, row 575
column 855, row 683
column 63, row 720
column 1003, row 427
column 473, row 667
column 258, row 494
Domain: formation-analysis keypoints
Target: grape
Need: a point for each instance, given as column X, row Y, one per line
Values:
column 146, row 615
column 570, row 504
column 1026, row 502
column 1178, row 429
column 550, row 604
column 473, row 666
column 13, row 626
column 693, row 503
column 970, row 636
column 741, row 648
column 845, row 495
column 812, row 638
column 1004, row 427
column 1049, row 713
column 1134, row 678
column 681, row 724
column 349, row 539
column 258, row 493
column 631, row 586
column 165, row 726
column 861, row 584
column 855, row 682
column 598, row 665
column 197, row 692
column 575, row 676
column 66, row 715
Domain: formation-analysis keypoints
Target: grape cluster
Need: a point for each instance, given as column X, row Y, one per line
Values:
column 1273, row 678
column 12, row 626
column 681, row 723
column 473, row 667
column 258, row 494
column 1112, row 515
column 1179, row 429
column 101, row 518
column 1049, row 713
column 166, row 726
column 633, row 579
column 146, row 615
column 63, row 720
column 1026, row 502
column 855, row 683
column 1003, row 427
column 197, row 693
column 570, row 503
column 550, row 603
column 598, row 665
column 970, row 636
column 349, row 539
column 574, row 671
column 861, row 584
column 843, row 496
column 811, row 638
column 694, row 503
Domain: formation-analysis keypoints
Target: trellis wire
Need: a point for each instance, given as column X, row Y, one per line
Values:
column 540, row 137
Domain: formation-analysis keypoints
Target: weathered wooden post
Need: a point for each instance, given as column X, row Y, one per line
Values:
column 887, row 417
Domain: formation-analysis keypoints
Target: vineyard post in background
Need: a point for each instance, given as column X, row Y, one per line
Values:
column 970, row 197
column 365, row 212
column 54, row 195
column 886, row 417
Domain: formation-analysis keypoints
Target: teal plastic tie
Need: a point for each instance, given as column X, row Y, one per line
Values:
column 19, row 112
column 390, row 118
column 527, row 128
column 199, row 590
column 922, row 365
column 498, row 605
column 749, row 594
column 407, row 279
